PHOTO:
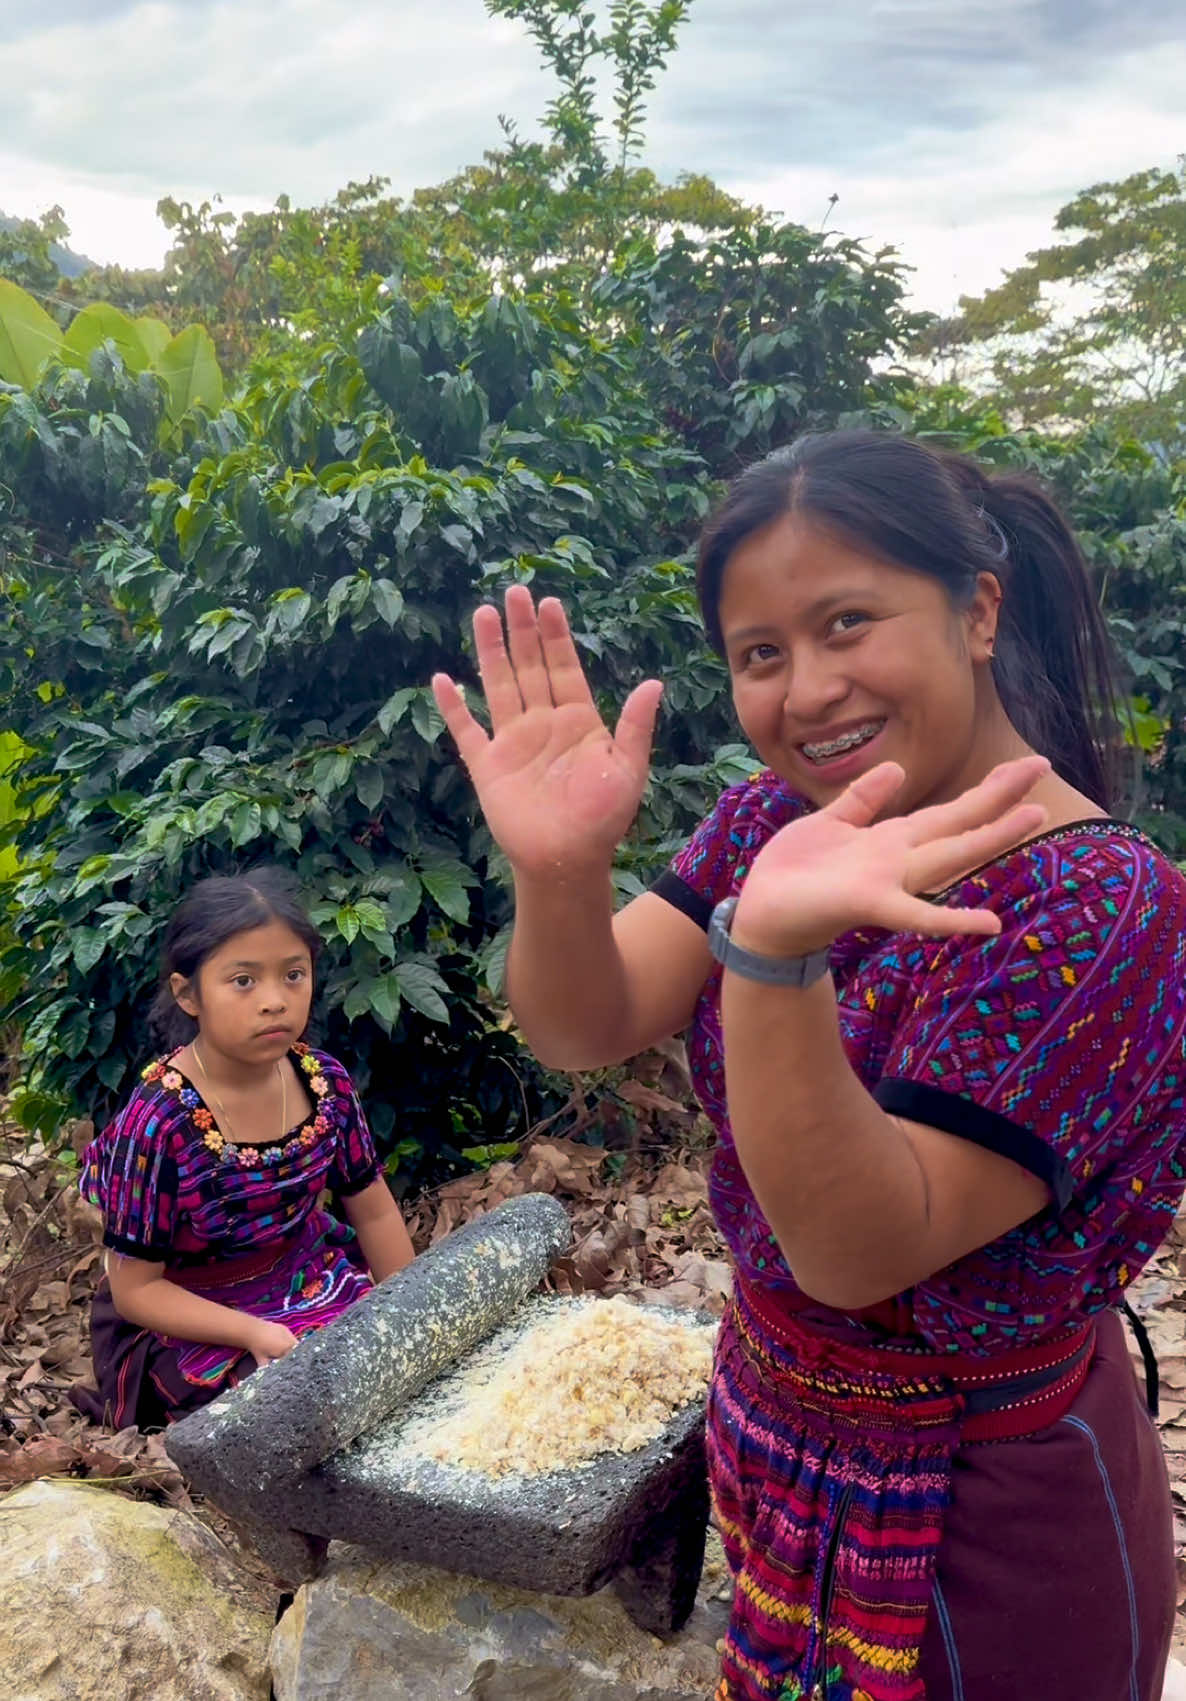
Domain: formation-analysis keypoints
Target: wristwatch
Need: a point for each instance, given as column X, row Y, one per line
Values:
column 751, row 965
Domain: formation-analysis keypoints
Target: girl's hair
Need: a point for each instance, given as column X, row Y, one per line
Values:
column 937, row 512
column 212, row 912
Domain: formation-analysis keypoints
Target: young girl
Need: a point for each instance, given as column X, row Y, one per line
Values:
column 219, row 1255
column 937, row 1011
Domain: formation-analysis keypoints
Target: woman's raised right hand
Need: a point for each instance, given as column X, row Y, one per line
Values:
column 557, row 790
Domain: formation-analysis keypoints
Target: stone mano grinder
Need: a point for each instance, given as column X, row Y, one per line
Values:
column 300, row 1453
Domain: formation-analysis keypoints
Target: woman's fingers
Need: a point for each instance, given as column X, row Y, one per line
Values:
column 982, row 804
column 494, row 665
column 636, row 724
column 901, row 913
column 527, row 655
column 862, row 802
column 467, row 734
column 936, row 864
column 565, row 673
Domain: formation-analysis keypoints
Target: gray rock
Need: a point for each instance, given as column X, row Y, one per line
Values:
column 396, row 1632
column 248, row 1448
column 110, row 1599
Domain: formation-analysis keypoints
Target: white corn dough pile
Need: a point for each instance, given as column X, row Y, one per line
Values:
column 594, row 1376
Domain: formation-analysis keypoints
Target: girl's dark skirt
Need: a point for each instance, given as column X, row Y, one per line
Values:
column 139, row 1382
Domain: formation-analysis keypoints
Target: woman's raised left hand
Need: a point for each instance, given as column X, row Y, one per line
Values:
column 845, row 867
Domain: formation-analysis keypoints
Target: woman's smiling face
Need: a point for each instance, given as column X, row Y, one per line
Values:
column 840, row 660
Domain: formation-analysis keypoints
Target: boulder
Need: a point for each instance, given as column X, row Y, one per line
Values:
column 378, row 1631
column 110, row 1599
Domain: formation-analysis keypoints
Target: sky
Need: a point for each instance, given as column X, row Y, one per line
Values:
column 951, row 129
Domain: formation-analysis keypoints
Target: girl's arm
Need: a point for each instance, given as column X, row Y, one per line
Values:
column 375, row 1218
column 143, row 1294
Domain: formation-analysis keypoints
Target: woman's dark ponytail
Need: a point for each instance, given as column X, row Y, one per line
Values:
column 1054, row 662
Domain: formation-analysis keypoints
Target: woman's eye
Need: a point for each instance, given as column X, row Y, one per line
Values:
column 242, row 982
column 849, row 621
column 296, row 974
column 758, row 653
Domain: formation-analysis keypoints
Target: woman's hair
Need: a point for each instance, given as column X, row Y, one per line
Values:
column 212, row 912
column 940, row 513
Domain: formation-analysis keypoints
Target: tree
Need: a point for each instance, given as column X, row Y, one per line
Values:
column 1091, row 326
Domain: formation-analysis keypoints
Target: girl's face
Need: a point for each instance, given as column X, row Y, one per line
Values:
column 840, row 661
column 251, row 997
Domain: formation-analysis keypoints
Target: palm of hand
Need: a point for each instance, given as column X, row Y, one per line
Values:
column 553, row 774
column 557, row 789
column 842, row 867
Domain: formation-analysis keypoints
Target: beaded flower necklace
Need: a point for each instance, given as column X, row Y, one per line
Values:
column 213, row 1138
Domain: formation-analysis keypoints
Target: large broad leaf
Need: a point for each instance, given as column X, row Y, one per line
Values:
column 28, row 336
column 189, row 366
column 98, row 324
column 155, row 337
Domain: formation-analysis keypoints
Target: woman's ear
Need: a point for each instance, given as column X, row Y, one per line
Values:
column 982, row 617
column 183, row 995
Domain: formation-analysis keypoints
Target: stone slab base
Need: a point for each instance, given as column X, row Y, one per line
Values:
column 388, row 1631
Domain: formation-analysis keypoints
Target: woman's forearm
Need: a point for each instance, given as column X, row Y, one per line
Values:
column 836, row 1178
column 566, row 982
column 863, row 1205
column 165, row 1308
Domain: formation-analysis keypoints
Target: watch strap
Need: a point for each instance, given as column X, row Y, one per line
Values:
column 752, row 965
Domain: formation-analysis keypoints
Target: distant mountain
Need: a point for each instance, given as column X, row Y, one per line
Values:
column 70, row 264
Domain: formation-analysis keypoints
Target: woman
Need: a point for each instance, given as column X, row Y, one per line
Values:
column 937, row 1015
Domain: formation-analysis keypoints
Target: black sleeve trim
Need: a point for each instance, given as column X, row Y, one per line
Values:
column 347, row 1189
column 686, row 898
column 137, row 1249
column 963, row 1117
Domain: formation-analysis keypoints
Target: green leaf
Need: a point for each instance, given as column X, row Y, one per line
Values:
column 426, row 717
column 494, row 960
column 357, row 1001
column 368, row 785
column 388, row 600
column 395, row 708
column 189, row 366
column 111, row 1071
column 155, row 337
column 422, row 987
column 403, row 899
column 292, row 609
column 393, row 368
column 347, row 923
column 446, row 886
column 338, row 592
column 385, row 1000
column 28, row 336
column 72, row 1033
column 89, row 944
column 246, row 823
column 98, row 324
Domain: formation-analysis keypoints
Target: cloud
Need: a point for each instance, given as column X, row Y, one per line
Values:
column 954, row 128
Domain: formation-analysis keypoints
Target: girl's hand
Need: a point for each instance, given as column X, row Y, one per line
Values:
column 843, row 867
column 558, row 792
column 267, row 1341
